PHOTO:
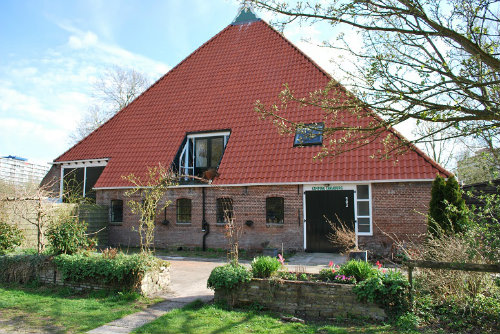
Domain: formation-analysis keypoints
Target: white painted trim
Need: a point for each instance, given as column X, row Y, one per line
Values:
column 61, row 183
column 304, row 214
column 285, row 184
column 209, row 134
column 82, row 163
column 84, row 179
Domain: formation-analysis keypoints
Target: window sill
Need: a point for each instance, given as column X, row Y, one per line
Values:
column 116, row 223
column 183, row 224
column 220, row 224
column 275, row 224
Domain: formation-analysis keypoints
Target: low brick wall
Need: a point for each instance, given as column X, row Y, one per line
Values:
column 307, row 300
column 153, row 282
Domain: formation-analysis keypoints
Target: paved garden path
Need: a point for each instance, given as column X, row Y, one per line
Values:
column 188, row 283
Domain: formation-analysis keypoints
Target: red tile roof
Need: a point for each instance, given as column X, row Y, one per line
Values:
column 216, row 88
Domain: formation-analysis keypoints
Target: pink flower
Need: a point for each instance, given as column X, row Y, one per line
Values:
column 330, row 264
column 383, row 271
column 281, row 259
column 333, row 271
column 379, row 265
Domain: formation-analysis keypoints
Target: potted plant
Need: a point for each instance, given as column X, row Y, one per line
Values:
column 268, row 251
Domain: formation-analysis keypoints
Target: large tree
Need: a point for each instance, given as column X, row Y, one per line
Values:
column 430, row 61
column 113, row 90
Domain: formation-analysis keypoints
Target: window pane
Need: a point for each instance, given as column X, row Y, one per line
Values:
column 217, row 150
column 274, row 210
column 183, row 210
column 362, row 192
column 363, row 208
column 201, row 152
column 364, row 225
column 310, row 134
column 116, row 210
column 224, row 210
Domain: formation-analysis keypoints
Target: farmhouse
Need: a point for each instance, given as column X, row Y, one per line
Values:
column 199, row 119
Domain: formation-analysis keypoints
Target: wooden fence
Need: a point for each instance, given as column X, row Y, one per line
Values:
column 412, row 264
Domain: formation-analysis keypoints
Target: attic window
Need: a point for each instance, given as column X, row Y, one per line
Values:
column 202, row 153
column 309, row 134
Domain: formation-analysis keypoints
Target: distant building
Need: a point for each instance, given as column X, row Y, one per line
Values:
column 19, row 171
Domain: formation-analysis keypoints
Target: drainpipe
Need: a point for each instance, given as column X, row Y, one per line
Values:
column 204, row 224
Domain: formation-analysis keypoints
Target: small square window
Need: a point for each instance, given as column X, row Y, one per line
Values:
column 275, row 210
column 363, row 225
column 183, row 211
column 225, row 211
column 362, row 192
column 309, row 134
column 363, row 208
column 116, row 211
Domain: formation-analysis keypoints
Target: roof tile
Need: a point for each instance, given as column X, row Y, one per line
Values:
column 216, row 88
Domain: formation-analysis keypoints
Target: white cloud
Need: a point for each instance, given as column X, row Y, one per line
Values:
column 42, row 98
column 87, row 40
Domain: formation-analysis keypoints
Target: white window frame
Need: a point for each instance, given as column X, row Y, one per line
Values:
column 370, row 216
column 184, row 166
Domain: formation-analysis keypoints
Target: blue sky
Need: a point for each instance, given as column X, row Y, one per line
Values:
column 52, row 50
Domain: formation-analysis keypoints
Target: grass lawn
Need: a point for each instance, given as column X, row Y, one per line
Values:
column 61, row 310
column 210, row 318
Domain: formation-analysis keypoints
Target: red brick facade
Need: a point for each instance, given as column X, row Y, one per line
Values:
column 396, row 209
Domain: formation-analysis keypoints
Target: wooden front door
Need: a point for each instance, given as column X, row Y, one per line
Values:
column 322, row 206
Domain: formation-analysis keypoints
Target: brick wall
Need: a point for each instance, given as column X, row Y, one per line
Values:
column 51, row 180
column 249, row 203
column 308, row 300
column 398, row 209
column 395, row 209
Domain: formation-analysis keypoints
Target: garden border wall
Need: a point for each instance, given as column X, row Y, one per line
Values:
column 154, row 281
column 308, row 300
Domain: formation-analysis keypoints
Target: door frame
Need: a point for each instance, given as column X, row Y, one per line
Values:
column 327, row 187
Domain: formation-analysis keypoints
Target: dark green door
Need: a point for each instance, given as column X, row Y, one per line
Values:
column 323, row 205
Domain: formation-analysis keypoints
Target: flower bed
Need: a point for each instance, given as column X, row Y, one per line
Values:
column 304, row 299
column 355, row 288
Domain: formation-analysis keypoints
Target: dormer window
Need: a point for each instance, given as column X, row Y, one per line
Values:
column 309, row 134
column 202, row 153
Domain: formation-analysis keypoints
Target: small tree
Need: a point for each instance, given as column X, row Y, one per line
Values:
column 436, row 207
column 10, row 237
column 447, row 210
column 456, row 209
column 150, row 190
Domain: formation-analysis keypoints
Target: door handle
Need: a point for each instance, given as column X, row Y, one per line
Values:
column 347, row 202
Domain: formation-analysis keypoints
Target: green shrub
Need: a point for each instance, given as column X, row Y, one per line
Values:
column 20, row 268
column 265, row 266
column 67, row 235
column 126, row 270
column 361, row 270
column 228, row 277
column 10, row 237
column 389, row 290
column 407, row 321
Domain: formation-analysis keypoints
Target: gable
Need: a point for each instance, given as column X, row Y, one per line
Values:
column 215, row 89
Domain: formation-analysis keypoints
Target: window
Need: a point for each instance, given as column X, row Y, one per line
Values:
column 363, row 209
column 116, row 211
column 309, row 134
column 208, row 152
column 183, row 211
column 275, row 210
column 225, row 211
column 201, row 152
